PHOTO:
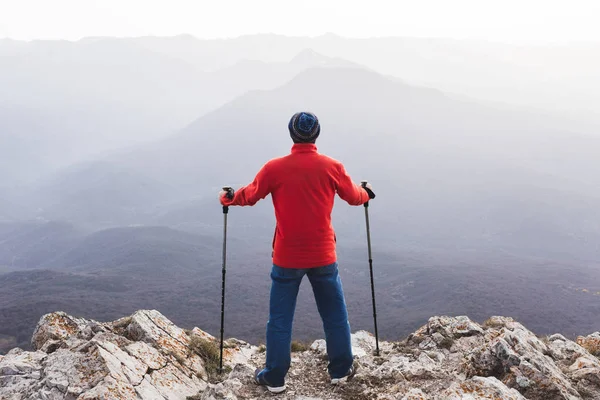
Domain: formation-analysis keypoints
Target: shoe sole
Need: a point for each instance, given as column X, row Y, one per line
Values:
column 272, row 389
column 276, row 390
column 346, row 378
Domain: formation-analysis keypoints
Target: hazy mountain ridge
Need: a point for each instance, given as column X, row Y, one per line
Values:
column 116, row 271
column 472, row 195
column 515, row 74
column 493, row 167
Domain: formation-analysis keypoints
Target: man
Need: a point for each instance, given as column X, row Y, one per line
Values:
column 303, row 185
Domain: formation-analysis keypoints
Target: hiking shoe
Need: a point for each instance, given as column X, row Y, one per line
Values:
column 348, row 377
column 260, row 380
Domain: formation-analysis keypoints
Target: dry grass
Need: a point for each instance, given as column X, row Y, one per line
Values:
column 592, row 346
column 209, row 352
column 490, row 323
column 298, row 346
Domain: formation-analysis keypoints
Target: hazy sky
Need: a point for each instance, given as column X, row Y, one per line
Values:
column 505, row 20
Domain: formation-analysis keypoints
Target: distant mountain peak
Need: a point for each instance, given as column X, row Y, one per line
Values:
column 310, row 58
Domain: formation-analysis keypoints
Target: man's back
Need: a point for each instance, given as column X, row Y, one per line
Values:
column 303, row 186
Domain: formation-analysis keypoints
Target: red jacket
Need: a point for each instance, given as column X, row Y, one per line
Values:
column 303, row 185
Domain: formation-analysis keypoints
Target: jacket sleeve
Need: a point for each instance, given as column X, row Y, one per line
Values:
column 250, row 194
column 349, row 191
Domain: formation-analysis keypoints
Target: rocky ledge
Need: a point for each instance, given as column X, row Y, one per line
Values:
column 145, row 356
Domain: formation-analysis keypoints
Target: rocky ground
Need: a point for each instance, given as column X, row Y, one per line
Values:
column 146, row 357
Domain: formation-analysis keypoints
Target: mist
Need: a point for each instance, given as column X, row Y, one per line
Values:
column 483, row 155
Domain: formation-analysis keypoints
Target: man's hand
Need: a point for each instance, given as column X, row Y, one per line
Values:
column 369, row 189
column 226, row 193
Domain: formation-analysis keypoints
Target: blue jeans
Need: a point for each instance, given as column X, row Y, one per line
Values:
column 329, row 295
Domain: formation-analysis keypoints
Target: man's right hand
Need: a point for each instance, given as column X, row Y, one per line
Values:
column 369, row 189
column 227, row 193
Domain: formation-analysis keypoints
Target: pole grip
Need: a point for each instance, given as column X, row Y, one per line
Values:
column 229, row 191
column 364, row 185
column 229, row 195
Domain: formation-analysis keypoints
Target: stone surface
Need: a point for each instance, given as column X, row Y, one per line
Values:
column 146, row 357
column 480, row 388
column 520, row 359
column 415, row 394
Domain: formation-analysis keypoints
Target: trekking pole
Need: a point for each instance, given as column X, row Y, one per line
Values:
column 229, row 195
column 364, row 185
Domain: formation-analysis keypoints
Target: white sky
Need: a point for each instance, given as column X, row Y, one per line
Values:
column 501, row 20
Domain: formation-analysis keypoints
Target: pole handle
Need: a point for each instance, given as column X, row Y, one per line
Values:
column 364, row 185
column 229, row 195
column 229, row 191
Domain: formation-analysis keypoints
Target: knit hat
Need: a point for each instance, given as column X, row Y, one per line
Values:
column 304, row 127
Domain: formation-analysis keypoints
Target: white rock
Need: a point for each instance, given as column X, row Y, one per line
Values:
column 415, row 394
column 453, row 327
column 19, row 362
column 56, row 326
column 174, row 385
column 146, row 354
column 146, row 391
column 111, row 389
column 480, row 388
column 522, row 355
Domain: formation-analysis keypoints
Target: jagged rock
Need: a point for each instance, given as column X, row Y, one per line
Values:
column 223, row 391
column 21, row 363
column 591, row 343
column 363, row 343
column 453, row 327
column 146, row 357
column 88, row 360
column 415, row 394
column 57, row 327
column 152, row 327
column 480, row 388
column 519, row 358
column 563, row 349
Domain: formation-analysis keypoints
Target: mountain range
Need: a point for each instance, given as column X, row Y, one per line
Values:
column 112, row 152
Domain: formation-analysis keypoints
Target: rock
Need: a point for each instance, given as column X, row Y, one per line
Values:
column 517, row 356
column 147, row 354
column 415, row 394
column 173, row 384
column 320, row 346
column 564, row 350
column 85, row 360
column 479, row 388
column 591, row 343
column 241, row 372
column 453, row 327
column 225, row 391
column 73, row 373
column 363, row 344
column 152, row 327
column 57, row 327
column 19, row 362
column 147, row 357
column 111, row 389
column 497, row 322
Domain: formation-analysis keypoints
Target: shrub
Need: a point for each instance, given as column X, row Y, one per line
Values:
column 208, row 351
column 298, row 346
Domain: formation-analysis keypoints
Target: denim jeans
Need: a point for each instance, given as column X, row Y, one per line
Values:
column 329, row 295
